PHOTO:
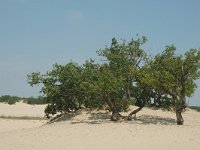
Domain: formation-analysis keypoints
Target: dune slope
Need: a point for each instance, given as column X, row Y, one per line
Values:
column 153, row 129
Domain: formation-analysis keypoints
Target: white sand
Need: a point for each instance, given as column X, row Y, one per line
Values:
column 153, row 130
column 22, row 109
column 16, row 124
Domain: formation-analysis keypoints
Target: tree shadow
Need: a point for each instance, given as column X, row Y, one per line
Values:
column 149, row 119
column 95, row 118
column 63, row 117
column 104, row 117
column 99, row 116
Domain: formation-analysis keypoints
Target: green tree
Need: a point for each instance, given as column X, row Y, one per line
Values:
column 174, row 78
column 126, row 77
column 107, row 88
column 124, row 60
column 61, row 86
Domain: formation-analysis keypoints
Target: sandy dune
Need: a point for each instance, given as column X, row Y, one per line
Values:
column 22, row 109
column 17, row 111
column 152, row 130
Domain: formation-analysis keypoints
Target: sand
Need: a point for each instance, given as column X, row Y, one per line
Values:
column 22, row 109
column 152, row 130
column 21, row 116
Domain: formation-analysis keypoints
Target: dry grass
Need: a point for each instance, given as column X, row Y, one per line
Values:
column 22, row 118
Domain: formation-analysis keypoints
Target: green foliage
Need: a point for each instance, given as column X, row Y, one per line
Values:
column 30, row 100
column 126, row 77
column 124, row 62
column 61, row 87
column 197, row 108
column 35, row 101
column 174, row 75
column 34, row 78
column 9, row 99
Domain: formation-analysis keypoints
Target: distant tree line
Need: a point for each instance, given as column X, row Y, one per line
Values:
column 30, row 100
column 126, row 76
column 197, row 108
column 35, row 100
column 9, row 99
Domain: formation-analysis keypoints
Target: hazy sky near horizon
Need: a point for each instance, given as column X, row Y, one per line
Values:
column 35, row 34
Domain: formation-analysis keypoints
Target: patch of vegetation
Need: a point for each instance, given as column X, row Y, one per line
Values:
column 9, row 99
column 197, row 108
column 22, row 118
column 30, row 100
column 35, row 101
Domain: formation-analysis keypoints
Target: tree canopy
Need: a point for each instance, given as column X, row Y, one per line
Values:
column 127, row 76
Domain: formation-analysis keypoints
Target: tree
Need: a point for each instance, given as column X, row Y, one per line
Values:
column 174, row 77
column 105, row 88
column 122, row 59
column 126, row 77
column 61, row 86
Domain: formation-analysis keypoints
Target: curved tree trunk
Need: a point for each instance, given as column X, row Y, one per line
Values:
column 134, row 113
column 179, row 117
column 179, row 109
column 115, row 114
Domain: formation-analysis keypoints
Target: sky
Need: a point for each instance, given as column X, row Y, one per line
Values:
column 35, row 34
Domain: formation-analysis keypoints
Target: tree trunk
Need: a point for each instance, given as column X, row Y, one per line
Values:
column 115, row 114
column 179, row 118
column 143, row 97
column 180, row 107
column 134, row 113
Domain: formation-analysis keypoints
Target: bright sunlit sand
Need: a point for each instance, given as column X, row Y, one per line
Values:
column 88, row 130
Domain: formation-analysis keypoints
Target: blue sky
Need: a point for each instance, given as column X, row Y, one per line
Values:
column 34, row 34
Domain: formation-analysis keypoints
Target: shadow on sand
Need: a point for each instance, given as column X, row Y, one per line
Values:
column 95, row 118
column 63, row 117
column 104, row 117
column 148, row 119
